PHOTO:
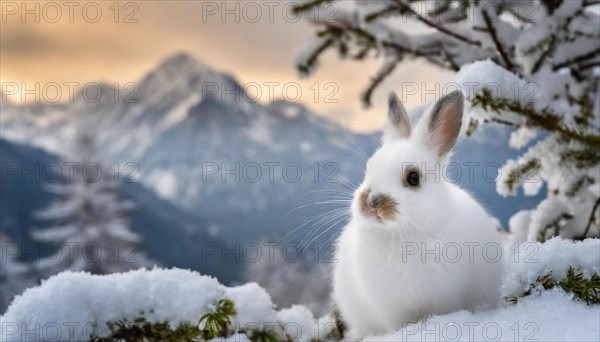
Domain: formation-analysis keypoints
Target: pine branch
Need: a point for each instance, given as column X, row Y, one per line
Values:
column 305, row 66
column 338, row 31
column 399, row 49
column 552, row 5
column 554, row 40
column 584, row 289
column 494, row 35
column 583, row 181
column 502, row 122
column 586, row 66
column 544, row 55
column 381, row 13
column 440, row 28
column 581, row 158
column 385, row 72
column 216, row 324
column 591, row 219
column 546, row 120
column 556, row 224
column 522, row 171
column 453, row 65
column 577, row 59
column 303, row 7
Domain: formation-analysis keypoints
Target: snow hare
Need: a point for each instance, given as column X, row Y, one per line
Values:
column 417, row 244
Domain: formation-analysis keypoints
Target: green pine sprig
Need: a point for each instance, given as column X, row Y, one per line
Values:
column 216, row 323
column 582, row 288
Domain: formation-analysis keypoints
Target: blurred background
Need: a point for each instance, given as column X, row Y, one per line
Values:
column 183, row 136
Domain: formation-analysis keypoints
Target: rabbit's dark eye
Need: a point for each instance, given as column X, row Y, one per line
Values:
column 412, row 178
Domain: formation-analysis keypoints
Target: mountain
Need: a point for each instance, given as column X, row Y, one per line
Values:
column 214, row 166
column 172, row 129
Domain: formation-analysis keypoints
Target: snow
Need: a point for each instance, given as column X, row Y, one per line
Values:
column 81, row 301
column 253, row 305
column 533, row 319
column 78, row 301
column 164, row 182
column 561, row 178
column 538, row 56
column 527, row 46
column 232, row 338
column 76, row 304
column 549, row 210
column 261, row 131
column 180, row 112
column 474, row 77
column 297, row 322
column 521, row 137
column 569, row 200
column 556, row 255
column 291, row 111
column 519, row 225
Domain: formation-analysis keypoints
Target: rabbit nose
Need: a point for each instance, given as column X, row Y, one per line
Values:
column 374, row 200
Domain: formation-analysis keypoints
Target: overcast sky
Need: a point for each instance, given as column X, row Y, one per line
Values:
column 76, row 44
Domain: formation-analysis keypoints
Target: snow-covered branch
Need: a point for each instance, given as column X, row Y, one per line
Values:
column 541, row 58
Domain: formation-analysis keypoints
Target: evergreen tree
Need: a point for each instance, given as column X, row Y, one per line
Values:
column 548, row 49
column 91, row 229
column 15, row 276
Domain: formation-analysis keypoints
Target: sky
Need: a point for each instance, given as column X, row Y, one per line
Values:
column 48, row 42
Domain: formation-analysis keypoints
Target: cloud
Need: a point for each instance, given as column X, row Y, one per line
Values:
column 251, row 50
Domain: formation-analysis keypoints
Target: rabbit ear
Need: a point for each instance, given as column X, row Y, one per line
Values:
column 441, row 126
column 398, row 125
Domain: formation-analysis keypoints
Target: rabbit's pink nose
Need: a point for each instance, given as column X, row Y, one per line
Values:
column 372, row 212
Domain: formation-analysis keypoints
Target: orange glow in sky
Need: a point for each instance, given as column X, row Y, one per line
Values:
column 65, row 42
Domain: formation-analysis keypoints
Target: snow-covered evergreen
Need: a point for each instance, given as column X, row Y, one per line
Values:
column 90, row 223
column 532, row 65
column 15, row 276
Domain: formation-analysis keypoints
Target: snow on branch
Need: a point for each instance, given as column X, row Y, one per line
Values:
column 535, row 67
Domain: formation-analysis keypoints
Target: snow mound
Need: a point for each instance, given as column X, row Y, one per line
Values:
column 74, row 306
column 71, row 306
column 553, row 316
column 253, row 305
column 532, row 259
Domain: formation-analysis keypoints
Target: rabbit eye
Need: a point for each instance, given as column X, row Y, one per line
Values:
column 412, row 178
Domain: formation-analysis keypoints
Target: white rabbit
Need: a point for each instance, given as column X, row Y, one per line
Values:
column 417, row 244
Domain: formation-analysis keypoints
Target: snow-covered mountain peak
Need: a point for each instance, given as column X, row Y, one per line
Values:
column 180, row 76
column 182, row 63
column 296, row 112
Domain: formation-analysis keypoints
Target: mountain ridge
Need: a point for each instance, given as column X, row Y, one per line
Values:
column 174, row 129
column 174, row 132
